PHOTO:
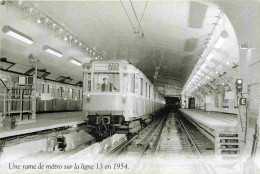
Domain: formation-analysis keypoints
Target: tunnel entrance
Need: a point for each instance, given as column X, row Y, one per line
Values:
column 192, row 103
column 172, row 104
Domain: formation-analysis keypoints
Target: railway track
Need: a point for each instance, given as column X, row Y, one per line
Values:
column 180, row 149
column 168, row 145
column 132, row 151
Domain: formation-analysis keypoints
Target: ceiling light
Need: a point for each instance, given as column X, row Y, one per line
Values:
column 39, row 21
column 17, row 34
column 227, row 63
column 65, row 38
column 52, row 51
column 75, row 61
column 216, row 72
column 209, row 57
column 244, row 46
column 221, row 39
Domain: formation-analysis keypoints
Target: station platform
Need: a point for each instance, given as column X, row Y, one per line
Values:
column 211, row 119
column 44, row 122
column 211, row 124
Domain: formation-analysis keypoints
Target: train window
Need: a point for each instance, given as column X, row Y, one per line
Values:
column 79, row 94
column 87, row 82
column 58, row 92
column 136, row 84
column 129, row 82
column 48, row 88
column 146, row 88
column 142, row 84
column 149, row 91
column 132, row 82
column 39, row 89
column 125, row 83
column 106, row 82
column 62, row 92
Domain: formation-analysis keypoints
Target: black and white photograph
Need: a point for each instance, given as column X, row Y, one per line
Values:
column 129, row 86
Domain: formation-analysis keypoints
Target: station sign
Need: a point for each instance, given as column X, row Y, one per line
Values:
column 243, row 101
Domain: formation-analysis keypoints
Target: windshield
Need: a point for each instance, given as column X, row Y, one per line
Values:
column 106, row 82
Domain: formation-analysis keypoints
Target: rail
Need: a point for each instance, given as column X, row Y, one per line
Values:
column 196, row 147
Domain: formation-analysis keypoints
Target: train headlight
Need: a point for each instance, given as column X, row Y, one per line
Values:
column 124, row 98
column 88, row 97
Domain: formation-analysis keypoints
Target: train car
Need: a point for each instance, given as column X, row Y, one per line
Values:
column 55, row 96
column 118, row 97
column 51, row 96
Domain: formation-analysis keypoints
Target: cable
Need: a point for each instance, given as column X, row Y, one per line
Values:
column 144, row 10
column 137, row 18
column 127, row 15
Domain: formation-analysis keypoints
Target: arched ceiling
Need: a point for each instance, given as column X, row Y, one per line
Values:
column 169, row 35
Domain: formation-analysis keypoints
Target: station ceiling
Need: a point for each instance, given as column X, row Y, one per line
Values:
column 163, row 36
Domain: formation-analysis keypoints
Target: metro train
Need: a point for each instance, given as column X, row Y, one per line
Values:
column 51, row 96
column 118, row 97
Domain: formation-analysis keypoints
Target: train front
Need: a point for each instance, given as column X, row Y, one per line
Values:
column 102, row 96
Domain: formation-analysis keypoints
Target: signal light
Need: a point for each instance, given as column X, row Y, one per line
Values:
column 239, row 85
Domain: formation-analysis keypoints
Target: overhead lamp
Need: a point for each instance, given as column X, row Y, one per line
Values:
column 39, row 21
column 52, row 51
column 203, row 65
column 216, row 72
column 244, row 46
column 74, row 61
column 65, row 38
column 17, row 34
column 209, row 57
column 221, row 39
column 227, row 63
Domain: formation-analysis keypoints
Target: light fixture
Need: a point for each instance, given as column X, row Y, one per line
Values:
column 74, row 61
column 52, row 51
column 203, row 65
column 216, row 72
column 244, row 46
column 227, row 63
column 17, row 34
column 221, row 39
column 209, row 57
column 239, row 81
column 65, row 38
column 39, row 21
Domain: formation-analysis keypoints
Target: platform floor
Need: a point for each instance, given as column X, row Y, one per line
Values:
column 44, row 122
column 211, row 119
